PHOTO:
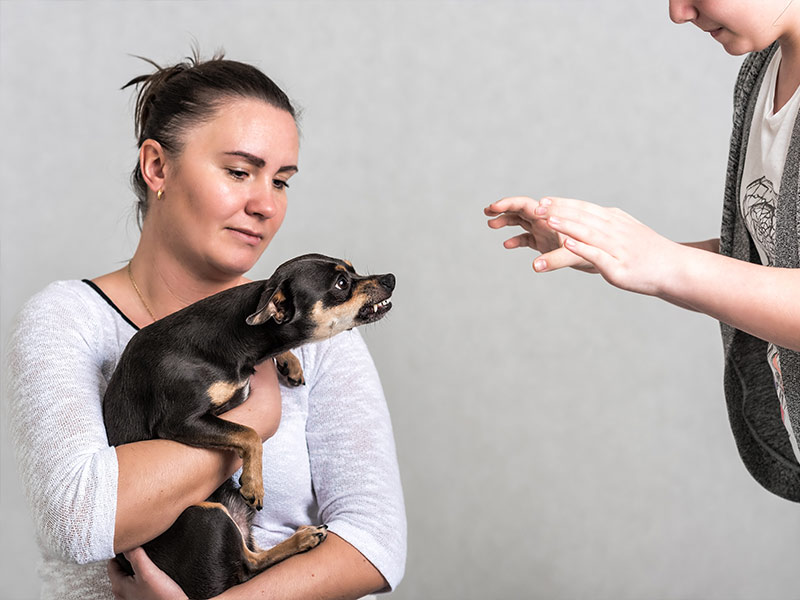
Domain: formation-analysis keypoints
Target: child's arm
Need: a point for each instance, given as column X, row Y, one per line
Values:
column 757, row 299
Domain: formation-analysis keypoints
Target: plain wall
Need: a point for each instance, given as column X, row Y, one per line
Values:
column 557, row 438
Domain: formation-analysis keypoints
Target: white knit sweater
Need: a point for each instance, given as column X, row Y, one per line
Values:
column 335, row 432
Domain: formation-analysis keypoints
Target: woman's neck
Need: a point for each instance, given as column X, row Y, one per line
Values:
column 165, row 284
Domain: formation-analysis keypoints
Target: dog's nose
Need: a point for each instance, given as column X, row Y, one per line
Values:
column 387, row 281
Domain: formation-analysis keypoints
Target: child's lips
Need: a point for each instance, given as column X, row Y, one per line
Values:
column 713, row 31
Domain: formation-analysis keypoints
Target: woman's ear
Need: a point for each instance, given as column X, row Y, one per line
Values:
column 152, row 161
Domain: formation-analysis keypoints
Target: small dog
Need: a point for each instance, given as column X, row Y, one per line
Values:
column 177, row 375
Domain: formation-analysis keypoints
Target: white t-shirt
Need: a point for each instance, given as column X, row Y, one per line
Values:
column 770, row 134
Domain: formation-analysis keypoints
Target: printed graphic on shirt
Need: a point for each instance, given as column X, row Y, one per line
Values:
column 758, row 205
column 774, row 358
column 758, row 210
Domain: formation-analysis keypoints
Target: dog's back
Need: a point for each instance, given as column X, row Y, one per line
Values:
column 162, row 372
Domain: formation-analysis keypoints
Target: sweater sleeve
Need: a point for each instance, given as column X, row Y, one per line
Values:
column 67, row 469
column 352, row 455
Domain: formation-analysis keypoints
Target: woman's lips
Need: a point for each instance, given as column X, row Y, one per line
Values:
column 250, row 237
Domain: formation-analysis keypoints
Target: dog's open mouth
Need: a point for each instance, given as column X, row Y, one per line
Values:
column 373, row 312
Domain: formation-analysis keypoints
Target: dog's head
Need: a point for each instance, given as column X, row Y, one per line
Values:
column 322, row 296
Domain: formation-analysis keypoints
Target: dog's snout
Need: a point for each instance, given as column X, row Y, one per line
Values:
column 387, row 281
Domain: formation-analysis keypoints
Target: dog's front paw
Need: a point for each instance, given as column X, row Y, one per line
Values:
column 309, row 536
column 252, row 492
column 288, row 365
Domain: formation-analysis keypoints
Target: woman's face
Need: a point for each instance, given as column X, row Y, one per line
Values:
column 225, row 193
column 741, row 26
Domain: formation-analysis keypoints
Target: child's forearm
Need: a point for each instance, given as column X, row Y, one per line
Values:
column 760, row 300
column 711, row 245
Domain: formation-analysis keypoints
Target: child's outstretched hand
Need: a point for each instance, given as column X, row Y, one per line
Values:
column 521, row 211
column 609, row 241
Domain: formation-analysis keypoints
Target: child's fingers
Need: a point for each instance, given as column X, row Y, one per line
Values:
column 555, row 205
column 509, row 220
column 523, row 240
column 558, row 259
column 598, row 258
column 513, row 204
column 588, row 229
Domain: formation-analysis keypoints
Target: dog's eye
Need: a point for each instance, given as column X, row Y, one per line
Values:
column 342, row 283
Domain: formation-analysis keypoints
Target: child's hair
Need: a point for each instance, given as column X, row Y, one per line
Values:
column 172, row 100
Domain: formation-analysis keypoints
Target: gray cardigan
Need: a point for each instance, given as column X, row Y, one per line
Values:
column 753, row 406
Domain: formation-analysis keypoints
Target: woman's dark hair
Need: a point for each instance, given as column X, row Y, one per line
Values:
column 172, row 100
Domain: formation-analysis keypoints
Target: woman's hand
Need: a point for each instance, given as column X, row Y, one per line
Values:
column 147, row 583
column 520, row 211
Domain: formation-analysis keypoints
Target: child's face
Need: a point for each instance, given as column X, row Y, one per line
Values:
column 741, row 26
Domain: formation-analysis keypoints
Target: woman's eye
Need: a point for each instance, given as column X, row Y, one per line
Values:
column 280, row 184
column 341, row 283
column 237, row 174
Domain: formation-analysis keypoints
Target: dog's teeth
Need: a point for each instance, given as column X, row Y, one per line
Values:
column 376, row 307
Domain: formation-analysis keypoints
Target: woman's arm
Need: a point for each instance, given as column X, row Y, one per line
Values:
column 158, row 479
column 86, row 501
column 334, row 569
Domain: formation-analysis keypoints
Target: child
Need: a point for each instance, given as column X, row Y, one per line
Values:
column 747, row 279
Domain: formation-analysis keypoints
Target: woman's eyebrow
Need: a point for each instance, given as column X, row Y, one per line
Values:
column 254, row 160
column 259, row 162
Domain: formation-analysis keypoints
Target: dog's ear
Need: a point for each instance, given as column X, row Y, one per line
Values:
column 273, row 304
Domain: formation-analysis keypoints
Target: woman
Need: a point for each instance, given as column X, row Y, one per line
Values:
column 748, row 279
column 218, row 144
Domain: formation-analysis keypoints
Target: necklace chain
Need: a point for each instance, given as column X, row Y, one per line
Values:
column 139, row 293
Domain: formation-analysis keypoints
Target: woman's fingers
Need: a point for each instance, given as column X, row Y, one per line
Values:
column 148, row 582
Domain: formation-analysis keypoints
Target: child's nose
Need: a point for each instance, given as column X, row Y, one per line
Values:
column 682, row 11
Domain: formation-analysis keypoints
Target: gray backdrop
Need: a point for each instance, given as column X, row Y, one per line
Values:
column 557, row 438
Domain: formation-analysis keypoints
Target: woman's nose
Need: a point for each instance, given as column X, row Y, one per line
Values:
column 263, row 202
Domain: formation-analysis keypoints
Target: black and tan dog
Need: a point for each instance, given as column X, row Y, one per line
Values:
column 177, row 375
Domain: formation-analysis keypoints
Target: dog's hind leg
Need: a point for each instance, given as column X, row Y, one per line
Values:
column 303, row 540
column 209, row 431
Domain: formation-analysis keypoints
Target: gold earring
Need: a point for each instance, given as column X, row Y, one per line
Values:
column 159, row 194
